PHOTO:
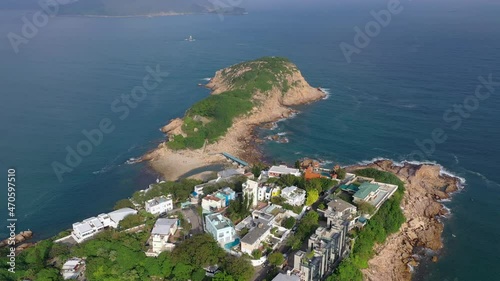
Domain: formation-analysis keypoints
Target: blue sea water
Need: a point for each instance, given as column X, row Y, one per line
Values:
column 392, row 94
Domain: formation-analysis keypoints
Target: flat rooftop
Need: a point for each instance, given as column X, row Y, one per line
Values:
column 219, row 221
column 255, row 233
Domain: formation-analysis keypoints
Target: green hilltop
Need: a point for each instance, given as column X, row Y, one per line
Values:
column 210, row 118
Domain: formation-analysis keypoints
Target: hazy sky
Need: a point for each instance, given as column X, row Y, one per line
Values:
column 286, row 4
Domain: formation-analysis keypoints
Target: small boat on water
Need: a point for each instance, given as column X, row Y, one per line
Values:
column 190, row 38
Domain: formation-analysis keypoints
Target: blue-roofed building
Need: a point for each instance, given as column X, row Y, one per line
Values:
column 221, row 228
column 351, row 188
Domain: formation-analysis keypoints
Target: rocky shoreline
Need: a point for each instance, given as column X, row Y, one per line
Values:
column 20, row 241
column 426, row 185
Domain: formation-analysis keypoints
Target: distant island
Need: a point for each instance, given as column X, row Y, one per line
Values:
column 124, row 8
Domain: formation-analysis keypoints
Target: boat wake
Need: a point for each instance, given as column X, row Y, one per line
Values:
column 105, row 169
column 483, row 177
column 206, row 79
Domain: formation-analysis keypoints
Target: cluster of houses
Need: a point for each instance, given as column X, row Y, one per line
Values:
column 90, row 227
column 329, row 244
column 262, row 229
column 264, row 223
column 218, row 200
column 161, row 238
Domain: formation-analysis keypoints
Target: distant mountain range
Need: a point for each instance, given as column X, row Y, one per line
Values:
column 131, row 7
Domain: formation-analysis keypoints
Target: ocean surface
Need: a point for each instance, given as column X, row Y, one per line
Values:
column 391, row 96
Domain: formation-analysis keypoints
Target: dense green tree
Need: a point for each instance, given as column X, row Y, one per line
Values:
column 288, row 223
column 346, row 271
column 257, row 169
column 198, row 274
column 59, row 250
column 257, row 254
column 131, row 221
column 36, row 256
column 238, row 209
column 366, row 208
column 182, row 271
column 341, row 173
column 200, row 251
column 312, row 196
column 166, row 264
column 276, row 258
column 315, row 184
column 222, row 276
column 152, row 267
column 306, row 226
column 239, row 268
column 288, row 180
column 49, row 274
column 124, row 203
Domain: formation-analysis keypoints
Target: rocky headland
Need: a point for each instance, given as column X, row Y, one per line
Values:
column 269, row 87
column 426, row 185
column 272, row 87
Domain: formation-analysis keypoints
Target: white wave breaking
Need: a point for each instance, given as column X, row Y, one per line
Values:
column 442, row 171
column 132, row 160
column 327, row 92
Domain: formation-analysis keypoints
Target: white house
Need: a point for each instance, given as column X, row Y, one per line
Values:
column 162, row 231
column 73, row 268
column 340, row 209
column 91, row 226
column 159, row 205
column 265, row 193
column 218, row 200
column 251, row 189
column 120, row 214
column 278, row 171
column 294, row 195
column 253, row 239
column 221, row 228
column 211, row 203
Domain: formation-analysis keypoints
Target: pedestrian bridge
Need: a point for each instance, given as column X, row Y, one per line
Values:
column 234, row 159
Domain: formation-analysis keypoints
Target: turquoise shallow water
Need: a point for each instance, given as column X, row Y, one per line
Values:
column 393, row 93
